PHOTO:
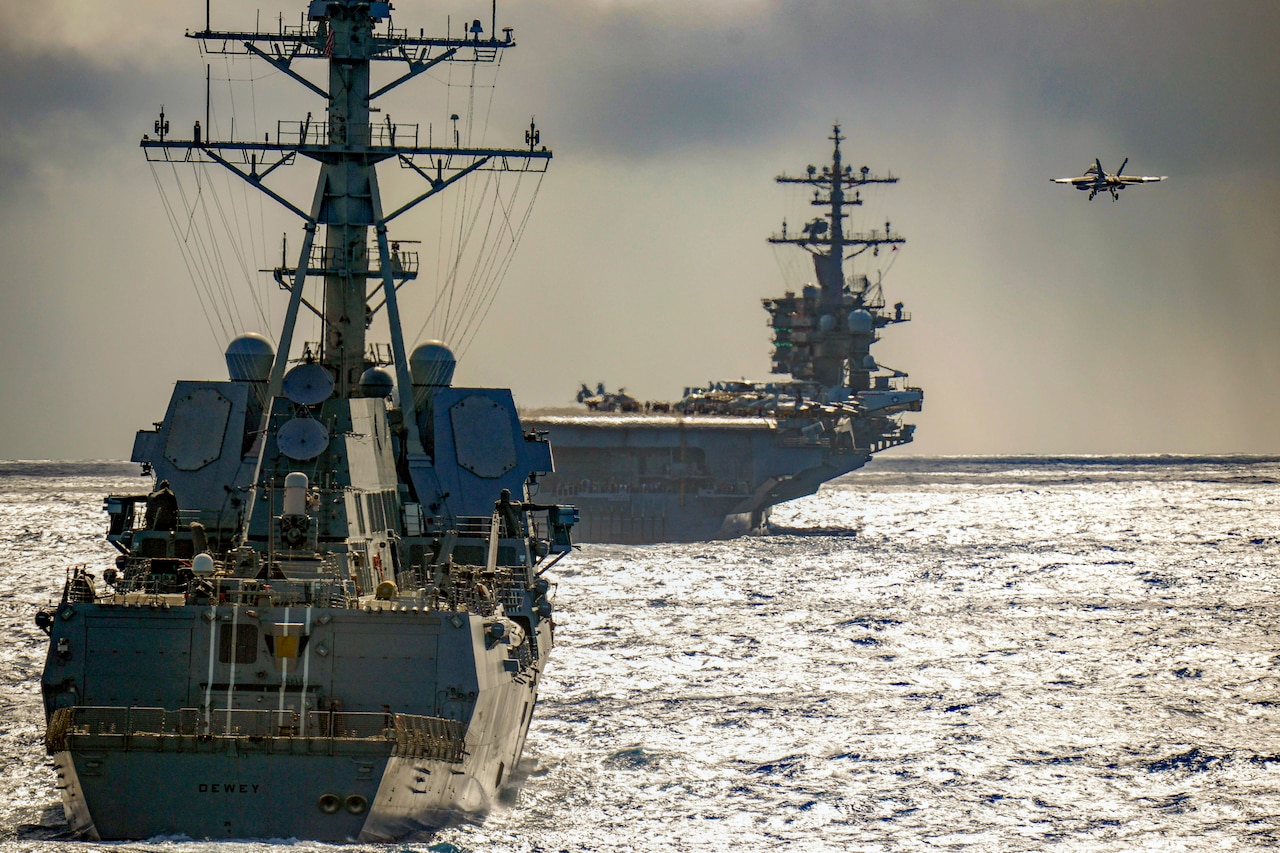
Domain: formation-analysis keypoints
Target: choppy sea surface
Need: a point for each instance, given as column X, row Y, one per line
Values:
column 932, row 654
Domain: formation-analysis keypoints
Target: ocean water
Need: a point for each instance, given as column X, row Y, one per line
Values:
column 931, row 654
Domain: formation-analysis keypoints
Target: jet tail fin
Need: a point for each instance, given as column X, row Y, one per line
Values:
column 1122, row 165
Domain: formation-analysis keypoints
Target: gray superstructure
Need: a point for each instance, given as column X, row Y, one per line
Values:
column 329, row 617
column 715, row 462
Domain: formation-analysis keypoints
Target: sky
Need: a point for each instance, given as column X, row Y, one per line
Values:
column 1042, row 323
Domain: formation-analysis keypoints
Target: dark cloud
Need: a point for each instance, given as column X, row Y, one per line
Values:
column 1178, row 78
column 1042, row 322
column 65, row 111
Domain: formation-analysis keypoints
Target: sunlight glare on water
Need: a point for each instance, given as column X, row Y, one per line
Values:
column 959, row 653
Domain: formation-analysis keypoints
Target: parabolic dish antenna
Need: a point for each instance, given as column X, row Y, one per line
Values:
column 302, row 438
column 308, row 384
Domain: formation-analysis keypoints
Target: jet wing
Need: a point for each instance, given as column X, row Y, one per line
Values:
column 1084, row 179
column 1142, row 179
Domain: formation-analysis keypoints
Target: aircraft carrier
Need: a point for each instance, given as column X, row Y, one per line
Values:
column 713, row 463
column 329, row 614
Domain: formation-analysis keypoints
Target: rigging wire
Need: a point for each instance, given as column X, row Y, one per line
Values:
column 476, row 286
column 478, row 270
column 237, row 249
column 457, row 256
column 484, row 132
column 171, row 216
column 467, row 277
column 219, row 265
column 470, row 272
column 254, row 238
column 452, row 202
column 256, row 227
column 470, row 194
column 505, row 264
column 193, row 242
column 214, row 274
column 217, row 254
column 500, row 258
column 474, row 281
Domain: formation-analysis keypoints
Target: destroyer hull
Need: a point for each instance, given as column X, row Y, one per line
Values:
column 227, row 792
column 132, row 772
column 272, row 788
column 254, row 790
column 109, row 795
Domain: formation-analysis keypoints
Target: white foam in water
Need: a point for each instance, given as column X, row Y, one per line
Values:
column 1003, row 654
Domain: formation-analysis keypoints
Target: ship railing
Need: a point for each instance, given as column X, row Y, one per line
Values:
column 897, row 382
column 433, row 738
column 504, row 588
column 292, row 132
column 648, row 486
column 135, row 521
column 464, row 592
column 541, row 526
column 411, row 580
column 509, row 595
column 375, row 352
column 210, row 518
column 330, row 260
column 328, row 592
column 145, row 587
column 476, row 526
column 411, row 735
column 389, row 44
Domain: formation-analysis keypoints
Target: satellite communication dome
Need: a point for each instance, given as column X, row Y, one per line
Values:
column 860, row 321
column 249, row 358
column 202, row 565
column 432, row 363
column 376, row 382
column 826, row 323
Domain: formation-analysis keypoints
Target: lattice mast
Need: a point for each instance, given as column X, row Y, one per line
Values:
column 838, row 356
column 348, row 35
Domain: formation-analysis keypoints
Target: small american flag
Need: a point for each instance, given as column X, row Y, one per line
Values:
column 328, row 44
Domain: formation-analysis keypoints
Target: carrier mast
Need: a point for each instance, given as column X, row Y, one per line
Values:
column 824, row 237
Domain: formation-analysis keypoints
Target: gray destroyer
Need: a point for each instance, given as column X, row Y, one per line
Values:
column 329, row 615
column 715, row 462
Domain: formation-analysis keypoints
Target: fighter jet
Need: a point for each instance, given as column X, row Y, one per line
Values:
column 1096, row 179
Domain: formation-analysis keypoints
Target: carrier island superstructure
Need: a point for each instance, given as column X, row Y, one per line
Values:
column 714, row 463
column 329, row 615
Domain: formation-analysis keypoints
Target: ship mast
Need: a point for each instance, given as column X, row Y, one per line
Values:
column 348, row 35
column 824, row 237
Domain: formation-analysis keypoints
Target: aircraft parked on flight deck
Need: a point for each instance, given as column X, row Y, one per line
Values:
column 1096, row 179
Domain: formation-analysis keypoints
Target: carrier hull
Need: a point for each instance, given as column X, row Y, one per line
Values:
column 639, row 478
